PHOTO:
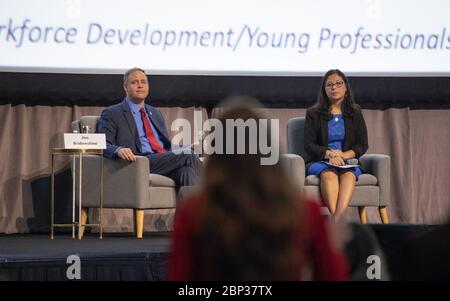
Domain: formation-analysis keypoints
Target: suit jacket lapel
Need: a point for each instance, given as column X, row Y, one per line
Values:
column 348, row 124
column 131, row 124
column 156, row 121
column 324, row 128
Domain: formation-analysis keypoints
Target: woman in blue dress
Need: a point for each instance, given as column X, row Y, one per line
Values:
column 335, row 131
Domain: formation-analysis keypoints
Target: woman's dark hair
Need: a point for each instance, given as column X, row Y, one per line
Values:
column 249, row 227
column 323, row 103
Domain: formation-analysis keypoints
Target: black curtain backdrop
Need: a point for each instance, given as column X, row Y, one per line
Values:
column 206, row 91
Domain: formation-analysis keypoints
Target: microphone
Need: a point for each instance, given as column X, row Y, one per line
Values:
column 352, row 161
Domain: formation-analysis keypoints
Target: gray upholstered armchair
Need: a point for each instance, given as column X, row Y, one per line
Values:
column 372, row 189
column 128, row 185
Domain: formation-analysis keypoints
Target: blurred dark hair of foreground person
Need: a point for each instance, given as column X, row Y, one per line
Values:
column 248, row 222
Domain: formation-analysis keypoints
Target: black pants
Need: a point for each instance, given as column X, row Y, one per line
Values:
column 184, row 169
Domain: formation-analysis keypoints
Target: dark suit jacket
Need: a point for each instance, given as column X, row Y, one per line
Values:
column 117, row 122
column 316, row 133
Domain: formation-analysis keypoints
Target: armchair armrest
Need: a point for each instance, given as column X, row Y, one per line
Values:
column 125, row 184
column 379, row 166
column 294, row 166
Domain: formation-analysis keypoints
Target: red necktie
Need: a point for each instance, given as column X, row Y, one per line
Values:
column 149, row 133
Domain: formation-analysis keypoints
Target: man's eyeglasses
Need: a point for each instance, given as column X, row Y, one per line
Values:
column 337, row 84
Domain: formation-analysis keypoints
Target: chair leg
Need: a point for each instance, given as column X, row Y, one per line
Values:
column 134, row 222
column 139, row 222
column 362, row 214
column 83, row 220
column 383, row 214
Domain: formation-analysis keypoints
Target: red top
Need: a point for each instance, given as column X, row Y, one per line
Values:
column 328, row 263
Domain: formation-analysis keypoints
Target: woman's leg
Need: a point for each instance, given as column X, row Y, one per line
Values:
column 347, row 181
column 329, row 188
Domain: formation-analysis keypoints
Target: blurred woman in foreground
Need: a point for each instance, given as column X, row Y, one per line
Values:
column 249, row 223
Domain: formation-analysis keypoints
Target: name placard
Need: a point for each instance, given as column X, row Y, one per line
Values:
column 84, row 141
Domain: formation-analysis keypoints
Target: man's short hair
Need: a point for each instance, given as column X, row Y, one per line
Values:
column 127, row 74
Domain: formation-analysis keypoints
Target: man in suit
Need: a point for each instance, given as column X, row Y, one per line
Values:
column 133, row 127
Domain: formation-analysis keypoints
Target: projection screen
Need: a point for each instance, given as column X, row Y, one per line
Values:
column 233, row 37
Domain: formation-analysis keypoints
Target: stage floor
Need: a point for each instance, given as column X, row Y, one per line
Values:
column 124, row 257
column 33, row 246
column 115, row 257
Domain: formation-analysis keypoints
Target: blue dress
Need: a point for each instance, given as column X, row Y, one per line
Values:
column 336, row 134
